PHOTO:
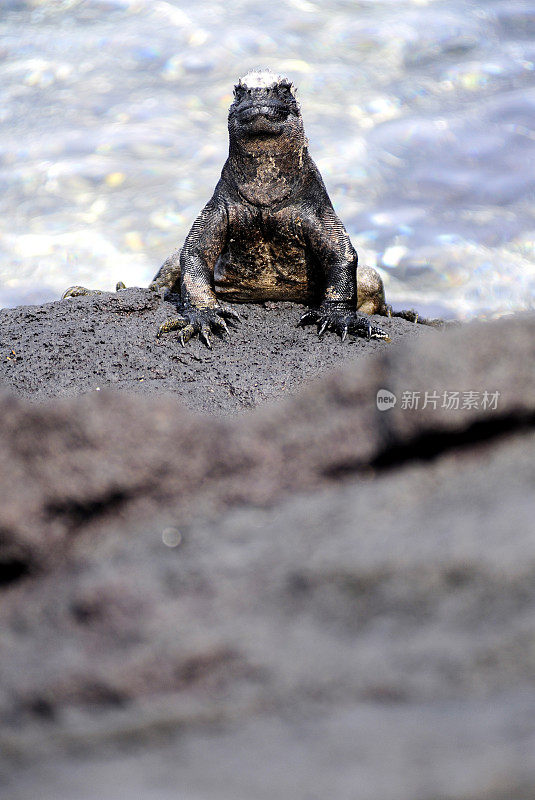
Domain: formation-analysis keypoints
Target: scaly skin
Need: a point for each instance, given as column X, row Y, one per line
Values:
column 269, row 232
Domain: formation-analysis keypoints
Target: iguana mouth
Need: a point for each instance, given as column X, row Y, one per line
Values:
column 272, row 111
column 263, row 120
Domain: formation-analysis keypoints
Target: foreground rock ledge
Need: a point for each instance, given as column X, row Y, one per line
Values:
column 89, row 343
column 348, row 610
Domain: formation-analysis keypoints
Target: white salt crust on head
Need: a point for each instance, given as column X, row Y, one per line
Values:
column 263, row 79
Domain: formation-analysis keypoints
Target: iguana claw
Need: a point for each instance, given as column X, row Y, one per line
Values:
column 342, row 321
column 200, row 321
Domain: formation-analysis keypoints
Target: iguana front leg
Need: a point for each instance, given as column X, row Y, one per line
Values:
column 201, row 313
column 335, row 253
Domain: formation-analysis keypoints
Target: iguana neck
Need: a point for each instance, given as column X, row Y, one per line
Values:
column 266, row 171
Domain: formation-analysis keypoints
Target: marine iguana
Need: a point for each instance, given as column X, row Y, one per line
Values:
column 269, row 232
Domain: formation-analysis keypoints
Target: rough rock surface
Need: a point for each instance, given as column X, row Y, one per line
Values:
column 84, row 343
column 310, row 599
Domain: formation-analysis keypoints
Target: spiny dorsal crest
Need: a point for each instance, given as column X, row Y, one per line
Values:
column 265, row 79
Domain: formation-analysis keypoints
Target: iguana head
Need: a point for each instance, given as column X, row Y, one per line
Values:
column 267, row 140
column 264, row 107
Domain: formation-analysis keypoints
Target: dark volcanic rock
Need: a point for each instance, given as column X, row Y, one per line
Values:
column 313, row 599
column 88, row 343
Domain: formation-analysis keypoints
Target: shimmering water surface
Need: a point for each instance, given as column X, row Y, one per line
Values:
column 419, row 113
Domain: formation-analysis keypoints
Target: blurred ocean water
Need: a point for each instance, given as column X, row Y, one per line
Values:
column 419, row 113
